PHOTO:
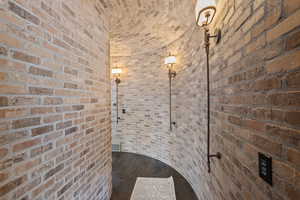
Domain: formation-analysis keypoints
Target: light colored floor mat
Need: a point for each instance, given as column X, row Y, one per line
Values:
column 154, row 189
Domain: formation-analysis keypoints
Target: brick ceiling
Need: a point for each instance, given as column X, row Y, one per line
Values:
column 139, row 26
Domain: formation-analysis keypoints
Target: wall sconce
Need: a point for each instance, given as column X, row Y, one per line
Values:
column 205, row 13
column 117, row 73
column 170, row 61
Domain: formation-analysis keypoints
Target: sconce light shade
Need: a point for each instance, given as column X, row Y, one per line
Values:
column 205, row 12
column 116, row 71
column 170, row 60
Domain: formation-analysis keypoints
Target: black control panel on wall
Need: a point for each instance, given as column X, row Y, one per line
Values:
column 265, row 168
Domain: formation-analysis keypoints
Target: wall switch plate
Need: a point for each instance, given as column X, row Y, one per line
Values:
column 265, row 168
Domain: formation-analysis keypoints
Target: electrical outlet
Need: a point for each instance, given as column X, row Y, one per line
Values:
column 265, row 168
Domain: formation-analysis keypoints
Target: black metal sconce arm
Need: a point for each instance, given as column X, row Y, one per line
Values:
column 217, row 155
column 207, row 37
column 118, row 81
column 172, row 74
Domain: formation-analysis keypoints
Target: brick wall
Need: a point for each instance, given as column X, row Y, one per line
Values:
column 143, row 93
column 141, row 26
column 255, row 102
column 138, row 46
column 55, row 100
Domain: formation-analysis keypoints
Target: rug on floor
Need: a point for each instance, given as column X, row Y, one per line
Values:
column 154, row 189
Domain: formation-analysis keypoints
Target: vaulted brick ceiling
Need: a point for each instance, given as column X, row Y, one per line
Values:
column 139, row 26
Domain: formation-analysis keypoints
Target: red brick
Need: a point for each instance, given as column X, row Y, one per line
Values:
column 50, row 11
column 53, row 136
column 53, row 100
column 22, row 123
column 3, row 76
column 63, row 125
column 278, row 115
column 10, row 41
column 283, row 170
column 78, row 107
column 13, row 113
column 3, row 152
column 42, row 110
column 287, row 136
column 61, row 43
column 71, row 115
column 40, row 72
column 3, row 51
column 40, row 91
column 242, row 18
column 64, row 188
column 290, row 6
column 22, row 100
column 267, row 84
column 12, row 185
column 70, row 130
column 70, row 71
column 292, row 192
column 70, row 85
column 3, row 176
column 254, row 125
column 284, row 63
column 25, row 57
column 63, row 109
column 28, row 187
column 40, row 150
column 293, row 156
column 285, row 26
column 88, row 131
column 273, row 16
column 297, row 179
column 12, row 89
column 4, row 126
column 23, row 13
column 25, row 167
column 293, row 41
column 52, row 118
column 42, row 188
column 3, row 101
column 25, row 145
column 261, row 113
column 285, row 99
column 293, row 80
column 267, row 145
column 12, row 137
column 293, row 118
column 41, row 130
column 235, row 120
column 53, row 171
column 274, row 49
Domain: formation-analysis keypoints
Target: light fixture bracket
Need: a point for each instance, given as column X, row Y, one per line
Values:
column 172, row 74
column 118, row 80
column 217, row 36
column 217, row 155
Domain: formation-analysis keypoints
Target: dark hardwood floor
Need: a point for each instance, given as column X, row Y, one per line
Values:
column 128, row 166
